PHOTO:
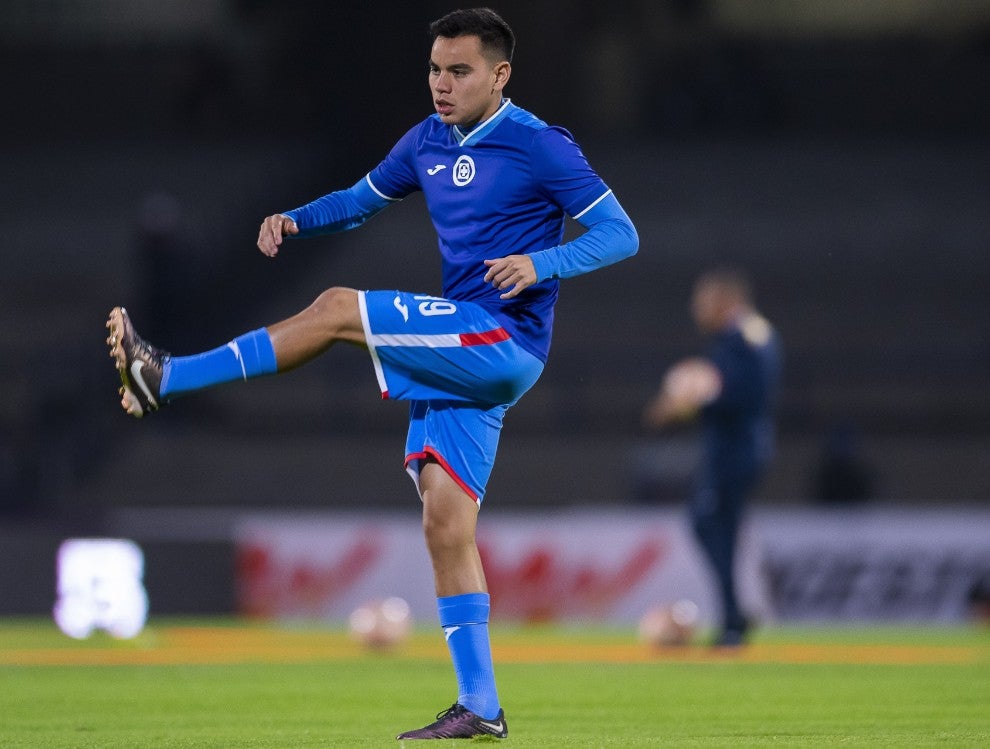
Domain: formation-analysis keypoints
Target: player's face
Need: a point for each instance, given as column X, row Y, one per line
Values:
column 466, row 86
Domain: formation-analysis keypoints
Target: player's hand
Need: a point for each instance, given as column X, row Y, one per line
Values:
column 514, row 272
column 272, row 230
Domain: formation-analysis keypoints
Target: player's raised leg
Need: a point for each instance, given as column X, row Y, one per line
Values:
column 334, row 316
column 151, row 377
column 139, row 364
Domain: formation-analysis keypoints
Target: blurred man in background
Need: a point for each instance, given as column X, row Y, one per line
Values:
column 732, row 390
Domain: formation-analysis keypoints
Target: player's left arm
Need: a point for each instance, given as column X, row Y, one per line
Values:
column 610, row 237
column 564, row 176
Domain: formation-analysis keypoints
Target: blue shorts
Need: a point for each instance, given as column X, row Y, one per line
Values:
column 460, row 369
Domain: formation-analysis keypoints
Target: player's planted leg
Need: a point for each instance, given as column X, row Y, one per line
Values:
column 449, row 521
column 457, row 722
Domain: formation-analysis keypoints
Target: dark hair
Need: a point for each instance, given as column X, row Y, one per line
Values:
column 496, row 37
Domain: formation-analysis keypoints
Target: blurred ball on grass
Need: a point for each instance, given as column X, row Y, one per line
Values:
column 381, row 624
column 669, row 624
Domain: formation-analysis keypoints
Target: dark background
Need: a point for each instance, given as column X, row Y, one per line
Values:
column 840, row 155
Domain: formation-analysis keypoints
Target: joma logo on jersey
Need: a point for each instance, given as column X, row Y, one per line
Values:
column 463, row 170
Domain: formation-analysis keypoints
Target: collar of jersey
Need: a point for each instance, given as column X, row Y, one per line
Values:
column 482, row 129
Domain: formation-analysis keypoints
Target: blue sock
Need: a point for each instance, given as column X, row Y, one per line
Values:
column 464, row 619
column 249, row 355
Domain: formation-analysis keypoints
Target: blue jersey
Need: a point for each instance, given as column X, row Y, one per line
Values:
column 502, row 188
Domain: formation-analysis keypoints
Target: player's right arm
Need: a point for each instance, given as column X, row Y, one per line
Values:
column 337, row 211
column 393, row 179
column 273, row 229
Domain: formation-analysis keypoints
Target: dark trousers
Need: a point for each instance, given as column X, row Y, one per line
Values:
column 716, row 513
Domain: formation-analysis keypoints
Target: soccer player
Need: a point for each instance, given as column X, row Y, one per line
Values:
column 498, row 182
column 733, row 391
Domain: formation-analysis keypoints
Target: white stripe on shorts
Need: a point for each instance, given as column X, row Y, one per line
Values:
column 376, row 362
column 443, row 340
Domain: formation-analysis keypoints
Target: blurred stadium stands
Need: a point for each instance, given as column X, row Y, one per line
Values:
column 845, row 163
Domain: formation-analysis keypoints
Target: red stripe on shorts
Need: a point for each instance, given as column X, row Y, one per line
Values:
column 429, row 452
column 482, row 339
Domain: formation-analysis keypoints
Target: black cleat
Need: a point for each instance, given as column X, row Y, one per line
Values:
column 138, row 363
column 457, row 722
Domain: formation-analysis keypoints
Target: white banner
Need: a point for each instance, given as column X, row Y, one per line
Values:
column 611, row 566
column 565, row 566
column 875, row 564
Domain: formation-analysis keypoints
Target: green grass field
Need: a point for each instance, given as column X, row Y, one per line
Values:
column 231, row 684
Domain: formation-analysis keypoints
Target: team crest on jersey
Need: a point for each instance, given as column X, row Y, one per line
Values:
column 463, row 170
